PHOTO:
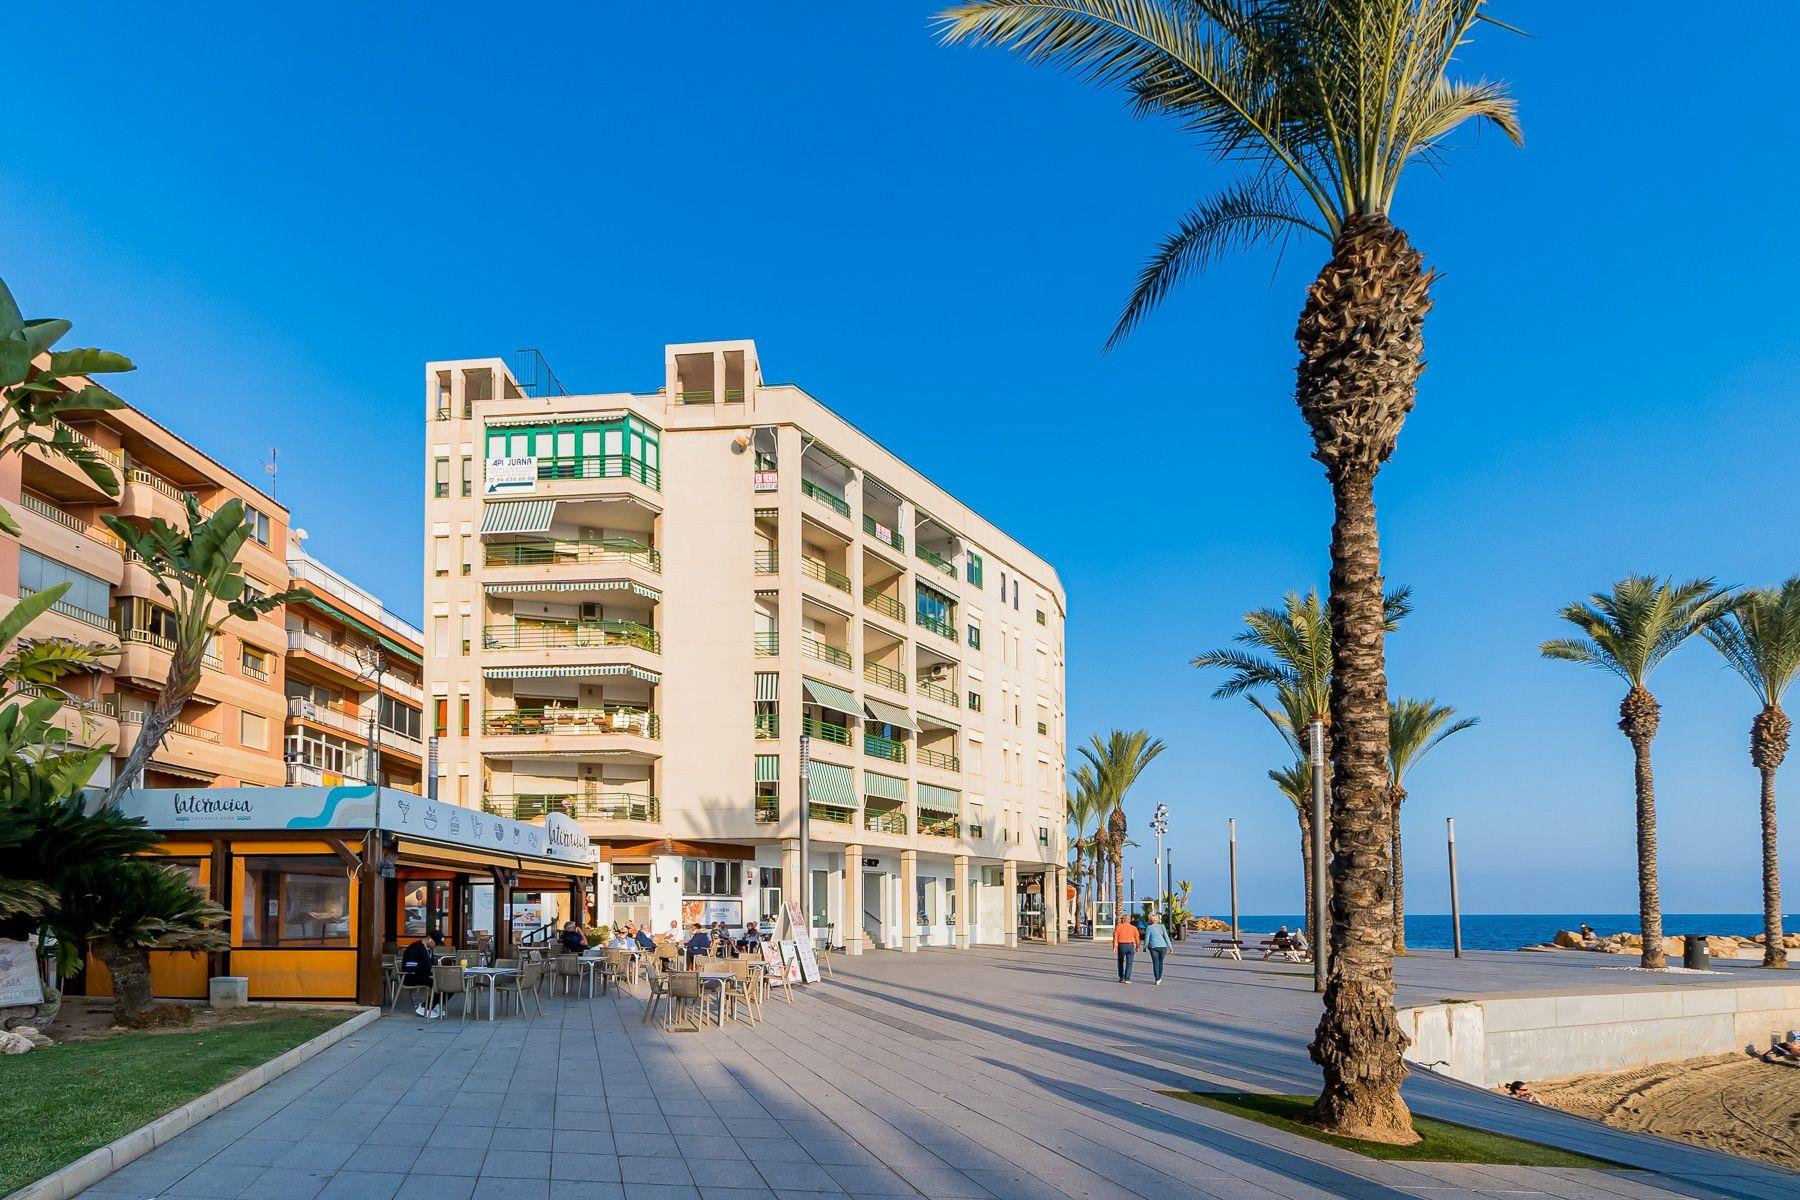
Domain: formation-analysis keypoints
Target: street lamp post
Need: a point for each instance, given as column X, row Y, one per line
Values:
column 1321, row 935
column 804, row 888
column 1455, row 900
column 1234, row 907
column 1159, row 825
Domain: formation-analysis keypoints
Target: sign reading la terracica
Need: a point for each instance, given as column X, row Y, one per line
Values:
column 354, row 808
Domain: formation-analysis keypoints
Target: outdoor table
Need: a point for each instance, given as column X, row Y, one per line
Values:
column 589, row 964
column 486, row 976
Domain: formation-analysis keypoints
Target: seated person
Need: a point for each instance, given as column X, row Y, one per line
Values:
column 751, row 942
column 1785, row 1052
column 573, row 939
column 641, row 935
column 699, row 941
column 721, row 940
column 416, row 964
column 622, row 938
column 672, row 936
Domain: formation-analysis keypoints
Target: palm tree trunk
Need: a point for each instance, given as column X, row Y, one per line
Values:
column 130, row 971
column 1115, row 843
column 1306, row 873
column 1639, row 715
column 1399, row 794
column 1768, row 746
column 177, row 690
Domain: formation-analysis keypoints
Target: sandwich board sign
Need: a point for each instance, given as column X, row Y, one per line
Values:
column 809, row 962
column 782, row 969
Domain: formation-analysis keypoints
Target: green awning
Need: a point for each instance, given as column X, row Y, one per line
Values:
column 768, row 768
column 582, row 672
column 888, row 714
column 517, row 516
column 766, row 685
column 937, row 799
column 883, row 787
column 364, row 628
column 827, row 696
column 573, row 585
column 829, row 784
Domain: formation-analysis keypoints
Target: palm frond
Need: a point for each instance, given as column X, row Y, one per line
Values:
column 1415, row 728
column 1629, row 630
column 1758, row 635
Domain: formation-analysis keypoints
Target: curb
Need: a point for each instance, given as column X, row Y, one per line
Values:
column 91, row 1168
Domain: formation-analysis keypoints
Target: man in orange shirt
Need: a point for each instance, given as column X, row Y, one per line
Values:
column 1125, row 942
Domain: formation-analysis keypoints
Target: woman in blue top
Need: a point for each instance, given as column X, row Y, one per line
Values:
column 1156, row 941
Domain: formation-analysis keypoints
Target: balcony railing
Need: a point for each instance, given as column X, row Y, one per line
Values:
column 318, row 577
column 939, row 561
column 599, row 466
column 938, row 692
column 151, row 479
column 825, row 731
column 768, row 562
column 610, row 719
column 937, row 758
column 768, row 726
column 891, row 821
column 768, row 645
column 330, row 651
column 831, row 500
column 556, row 552
column 937, row 625
column 137, row 716
column 881, row 533
column 590, row 806
column 948, row 827
column 825, row 652
column 812, row 568
column 324, row 714
column 876, row 746
column 115, row 457
column 768, row 810
column 252, row 671
column 827, row 812
column 97, row 620
column 562, row 635
column 884, row 604
column 886, row 676
column 98, row 533
column 145, row 637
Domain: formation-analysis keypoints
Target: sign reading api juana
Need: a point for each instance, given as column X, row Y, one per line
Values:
column 212, row 809
column 510, row 475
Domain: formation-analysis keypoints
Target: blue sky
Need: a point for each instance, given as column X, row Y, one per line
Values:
column 282, row 219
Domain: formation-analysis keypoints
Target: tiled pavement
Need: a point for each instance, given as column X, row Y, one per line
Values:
column 997, row 1073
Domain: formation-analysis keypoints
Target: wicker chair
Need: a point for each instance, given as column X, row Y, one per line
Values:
column 569, row 967
column 448, row 981
column 525, row 983
column 615, row 968
column 740, row 989
column 686, row 994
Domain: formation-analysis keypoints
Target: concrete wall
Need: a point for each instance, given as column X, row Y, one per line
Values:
column 1491, row 1041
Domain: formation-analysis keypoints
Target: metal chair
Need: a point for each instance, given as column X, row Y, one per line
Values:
column 448, row 981
column 401, row 985
column 569, row 967
column 521, row 985
column 686, row 995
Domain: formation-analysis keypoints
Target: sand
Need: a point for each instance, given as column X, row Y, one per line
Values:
column 1728, row 1102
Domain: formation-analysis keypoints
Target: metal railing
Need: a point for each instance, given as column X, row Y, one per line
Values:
column 876, row 746
column 44, row 508
column 813, row 648
column 318, row 577
column 137, row 716
column 599, row 466
column 939, row 561
column 768, row 810
column 768, row 645
column 768, row 726
column 937, row 625
column 768, row 562
column 892, row 820
column 938, row 692
column 330, row 651
column 888, row 606
column 589, row 806
column 812, row 568
column 893, row 537
column 556, row 552
column 97, row 620
column 886, row 676
column 610, row 719
column 570, row 634
column 252, row 671
column 107, row 705
column 827, row 812
column 825, row 731
column 115, row 457
column 831, row 500
column 937, row 758
column 940, row 826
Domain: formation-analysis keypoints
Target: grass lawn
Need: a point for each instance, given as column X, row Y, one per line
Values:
column 1440, row 1141
column 63, row 1101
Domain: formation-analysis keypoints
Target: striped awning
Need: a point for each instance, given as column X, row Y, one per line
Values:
column 937, row 799
column 768, row 768
column 767, row 684
column 883, row 787
column 578, row 672
column 829, row 784
column 889, row 715
column 563, row 419
column 517, row 516
column 827, row 696
column 937, row 722
column 574, row 585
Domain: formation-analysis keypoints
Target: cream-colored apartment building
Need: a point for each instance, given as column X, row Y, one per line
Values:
column 638, row 604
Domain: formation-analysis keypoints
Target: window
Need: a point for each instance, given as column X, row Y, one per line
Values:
column 1040, row 617
column 255, row 662
column 974, row 701
column 468, row 489
column 295, row 901
column 252, row 593
column 440, row 478
column 462, row 714
column 1043, row 835
column 424, row 905
column 974, row 635
column 328, row 753
column 1015, row 595
column 972, row 568
column 401, row 718
column 464, row 625
column 974, row 763
column 440, row 636
column 257, row 522
column 156, row 625
column 440, row 557
column 440, row 710
column 253, row 730
column 88, row 593
column 623, row 447
column 709, row 877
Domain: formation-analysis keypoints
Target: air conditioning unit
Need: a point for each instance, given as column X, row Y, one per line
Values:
column 590, row 611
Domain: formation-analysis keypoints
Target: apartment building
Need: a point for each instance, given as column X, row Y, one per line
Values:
column 639, row 605
column 231, row 731
column 354, row 685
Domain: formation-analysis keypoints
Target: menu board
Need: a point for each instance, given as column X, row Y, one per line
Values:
column 775, row 958
column 19, row 980
column 797, row 924
column 809, row 962
column 790, row 959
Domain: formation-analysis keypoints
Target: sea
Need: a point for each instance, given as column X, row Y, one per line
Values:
column 1509, row 931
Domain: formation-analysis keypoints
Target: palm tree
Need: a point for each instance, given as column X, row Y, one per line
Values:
column 1295, row 784
column 1324, row 105
column 1117, row 763
column 1760, row 639
column 1415, row 727
column 1627, row 632
column 1083, row 805
column 125, row 908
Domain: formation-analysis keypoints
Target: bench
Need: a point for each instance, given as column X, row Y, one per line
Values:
column 1228, row 948
column 1291, row 949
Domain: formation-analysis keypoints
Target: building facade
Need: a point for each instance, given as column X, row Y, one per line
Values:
column 637, row 606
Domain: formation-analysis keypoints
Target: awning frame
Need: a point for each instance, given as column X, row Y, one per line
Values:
column 888, row 714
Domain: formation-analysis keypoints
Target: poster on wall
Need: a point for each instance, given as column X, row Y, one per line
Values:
column 706, row 911
column 783, row 962
column 631, row 889
column 19, row 981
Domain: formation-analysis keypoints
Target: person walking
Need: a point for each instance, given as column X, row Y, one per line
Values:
column 1156, row 941
column 1125, row 944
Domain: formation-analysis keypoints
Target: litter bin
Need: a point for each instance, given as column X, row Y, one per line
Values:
column 1694, row 955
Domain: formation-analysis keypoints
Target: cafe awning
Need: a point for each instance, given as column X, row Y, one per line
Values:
column 883, row 787
column 937, row 799
column 888, row 714
column 576, row 672
column 829, row 784
column 517, row 516
column 573, row 585
column 414, row 851
column 827, row 696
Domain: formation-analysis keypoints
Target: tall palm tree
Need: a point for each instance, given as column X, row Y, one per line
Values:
column 1117, row 763
column 1083, row 802
column 1760, row 639
column 1628, row 632
column 1415, row 727
column 1322, row 104
column 1295, row 784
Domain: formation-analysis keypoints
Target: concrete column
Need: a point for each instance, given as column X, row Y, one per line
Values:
column 853, row 889
column 909, row 903
column 1012, row 902
column 1053, row 905
column 965, row 914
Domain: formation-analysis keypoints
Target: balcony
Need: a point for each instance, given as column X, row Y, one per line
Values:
column 49, row 511
column 937, row 625
column 768, row 726
column 768, row 810
column 560, row 635
column 887, row 677
column 319, row 578
column 137, row 717
column 584, row 806
column 768, row 645
column 831, row 813
column 324, row 714
column 937, row 560
column 881, row 533
column 307, row 775
column 890, row 821
column 884, row 604
column 612, row 719
column 938, row 692
column 886, row 749
column 825, row 731
column 939, row 759
column 812, row 568
column 599, row 466
column 939, row 826
column 825, row 652
column 831, row 500
column 768, row 562
column 96, row 620
column 560, row 552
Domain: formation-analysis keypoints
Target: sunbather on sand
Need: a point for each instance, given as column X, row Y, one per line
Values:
column 1784, row 1052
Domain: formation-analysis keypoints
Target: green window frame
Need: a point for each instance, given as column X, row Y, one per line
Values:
column 440, row 478
column 974, row 635
column 567, row 445
column 972, row 568
column 974, row 701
